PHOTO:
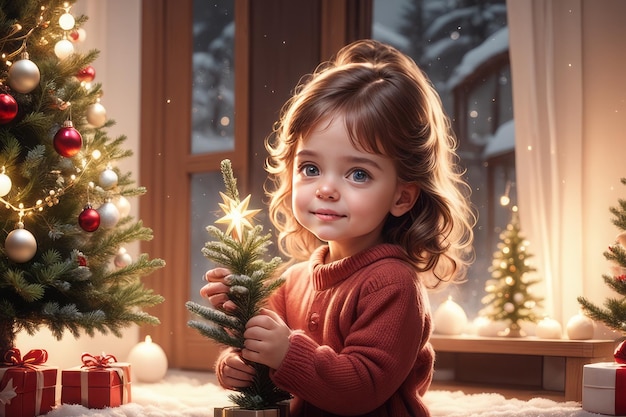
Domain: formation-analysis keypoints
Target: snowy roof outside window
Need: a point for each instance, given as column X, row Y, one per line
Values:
column 493, row 46
column 501, row 142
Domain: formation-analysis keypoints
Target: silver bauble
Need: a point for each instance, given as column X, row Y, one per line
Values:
column 122, row 259
column 24, row 76
column 108, row 179
column 109, row 215
column 20, row 245
column 96, row 115
column 123, row 205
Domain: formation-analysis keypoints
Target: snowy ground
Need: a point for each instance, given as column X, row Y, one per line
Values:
column 185, row 394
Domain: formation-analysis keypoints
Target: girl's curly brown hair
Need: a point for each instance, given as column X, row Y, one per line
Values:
column 390, row 108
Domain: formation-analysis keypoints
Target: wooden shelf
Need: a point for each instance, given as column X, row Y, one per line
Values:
column 497, row 364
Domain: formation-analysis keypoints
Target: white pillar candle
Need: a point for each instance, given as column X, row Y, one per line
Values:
column 148, row 362
column 450, row 318
column 580, row 327
column 549, row 329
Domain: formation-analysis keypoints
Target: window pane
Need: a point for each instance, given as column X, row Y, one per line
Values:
column 213, row 90
column 205, row 197
column 448, row 41
column 480, row 114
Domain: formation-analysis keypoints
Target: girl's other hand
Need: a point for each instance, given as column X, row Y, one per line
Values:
column 235, row 373
column 216, row 291
column 267, row 339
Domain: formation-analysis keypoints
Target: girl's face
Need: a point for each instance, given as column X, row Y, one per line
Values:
column 342, row 194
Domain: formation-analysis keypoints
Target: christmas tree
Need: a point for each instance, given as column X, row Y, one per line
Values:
column 64, row 213
column 614, row 312
column 241, row 249
column 508, row 297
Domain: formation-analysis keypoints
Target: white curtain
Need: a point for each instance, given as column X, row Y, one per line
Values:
column 546, row 65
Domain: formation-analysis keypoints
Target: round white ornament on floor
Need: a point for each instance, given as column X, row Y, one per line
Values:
column 148, row 362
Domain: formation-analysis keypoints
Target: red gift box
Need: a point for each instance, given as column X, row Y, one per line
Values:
column 101, row 382
column 604, row 388
column 27, row 387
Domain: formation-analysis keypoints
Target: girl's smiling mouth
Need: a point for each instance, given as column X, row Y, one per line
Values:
column 324, row 214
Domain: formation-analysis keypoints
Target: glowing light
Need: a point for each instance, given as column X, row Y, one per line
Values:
column 237, row 216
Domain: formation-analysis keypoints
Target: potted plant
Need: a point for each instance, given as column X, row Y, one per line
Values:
column 241, row 249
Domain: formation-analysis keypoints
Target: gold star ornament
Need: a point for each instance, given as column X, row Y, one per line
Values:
column 237, row 216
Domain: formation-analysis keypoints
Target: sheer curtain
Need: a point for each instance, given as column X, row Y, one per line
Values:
column 568, row 88
column 546, row 65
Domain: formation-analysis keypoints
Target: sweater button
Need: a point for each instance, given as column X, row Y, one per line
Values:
column 314, row 321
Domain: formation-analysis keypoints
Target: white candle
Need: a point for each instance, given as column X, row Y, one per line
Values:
column 450, row 318
column 549, row 329
column 580, row 327
column 148, row 362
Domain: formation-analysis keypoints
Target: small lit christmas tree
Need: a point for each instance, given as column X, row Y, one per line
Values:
column 614, row 312
column 240, row 249
column 508, row 297
column 64, row 210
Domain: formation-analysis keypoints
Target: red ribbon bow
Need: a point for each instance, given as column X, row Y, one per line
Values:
column 97, row 361
column 12, row 357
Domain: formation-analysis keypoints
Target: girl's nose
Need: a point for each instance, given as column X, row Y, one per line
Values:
column 327, row 193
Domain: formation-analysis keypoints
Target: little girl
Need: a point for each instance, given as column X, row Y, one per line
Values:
column 369, row 201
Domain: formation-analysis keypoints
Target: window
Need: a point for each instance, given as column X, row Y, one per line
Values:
column 193, row 117
column 463, row 48
column 196, row 113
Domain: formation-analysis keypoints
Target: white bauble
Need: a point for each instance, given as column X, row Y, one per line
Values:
column 109, row 215
column 20, row 245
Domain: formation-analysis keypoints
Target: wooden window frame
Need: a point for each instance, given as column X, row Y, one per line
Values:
column 267, row 69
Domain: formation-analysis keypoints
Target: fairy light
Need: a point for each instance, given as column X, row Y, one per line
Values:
column 53, row 196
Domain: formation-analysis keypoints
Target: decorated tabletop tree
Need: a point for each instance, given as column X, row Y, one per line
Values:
column 508, row 297
column 241, row 249
column 64, row 212
column 613, row 314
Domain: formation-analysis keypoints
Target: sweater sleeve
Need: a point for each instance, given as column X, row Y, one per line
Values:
column 378, row 354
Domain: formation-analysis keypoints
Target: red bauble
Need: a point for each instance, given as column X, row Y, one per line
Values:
column 8, row 108
column 89, row 219
column 620, row 353
column 86, row 74
column 67, row 141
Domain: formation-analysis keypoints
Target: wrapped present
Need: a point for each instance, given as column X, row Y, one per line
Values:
column 604, row 388
column 100, row 382
column 27, row 386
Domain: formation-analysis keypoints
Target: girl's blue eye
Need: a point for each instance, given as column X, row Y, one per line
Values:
column 359, row 175
column 309, row 170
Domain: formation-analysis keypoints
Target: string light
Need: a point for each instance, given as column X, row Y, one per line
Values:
column 52, row 198
column 63, row 48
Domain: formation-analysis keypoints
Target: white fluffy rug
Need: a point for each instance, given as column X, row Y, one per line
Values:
column 185, row 394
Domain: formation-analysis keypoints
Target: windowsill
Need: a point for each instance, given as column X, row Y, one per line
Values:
column 516, row 367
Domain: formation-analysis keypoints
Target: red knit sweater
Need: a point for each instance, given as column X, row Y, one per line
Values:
column 361, row 342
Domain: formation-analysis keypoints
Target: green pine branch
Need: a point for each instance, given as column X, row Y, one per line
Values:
column 70, row 283
column 251, row 283
column 613, row 311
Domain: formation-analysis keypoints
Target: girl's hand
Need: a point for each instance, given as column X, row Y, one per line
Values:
column 216, row 291
column 267, row 339
column 235, row 372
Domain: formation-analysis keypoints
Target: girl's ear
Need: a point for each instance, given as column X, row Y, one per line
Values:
column 406, row 196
